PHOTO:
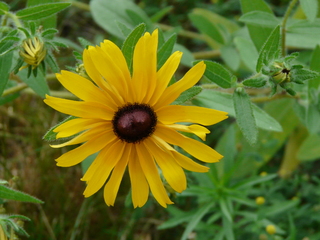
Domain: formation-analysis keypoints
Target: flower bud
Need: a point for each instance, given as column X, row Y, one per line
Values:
column 260, row 200
column 33, row 52
column 271, row 229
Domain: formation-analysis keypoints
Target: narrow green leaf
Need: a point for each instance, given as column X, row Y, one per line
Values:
column 258, row 34
column 264, row 19
column 230, row 56
column 130, row 42
column 32, row 27
column 247, row 51
column 49, row 33
column 224, row 209
column 51, row 135
column 107, row 13
column 11, row 194
column 124, row 29
column 4, row 8
column 218, row 74
column 52, row 63
column 161, row 13
column 5, row 68
column 255, row 82
column 165, row 51
column 84, row 42
column 41, row 11
column 270, row 50
column 207, row 27
column 302, row 74
column 248, row 183
column 244, row 115
column 284, row 206
column 196, row 219
column 187, row 95
column 310, row 9
column 304, row 27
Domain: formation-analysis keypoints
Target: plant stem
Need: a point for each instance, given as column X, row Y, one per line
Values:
column 283, row 25
column 206, row 54
column 14, row 89
column 80, row 5
column 14, row 18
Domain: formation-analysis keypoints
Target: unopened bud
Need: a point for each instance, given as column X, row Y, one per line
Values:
column 33, row 52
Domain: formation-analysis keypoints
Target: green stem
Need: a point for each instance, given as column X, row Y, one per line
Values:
column 206, row 54
column 15, row 19
column 80, row 5
column 283, row 26
column 14, row 89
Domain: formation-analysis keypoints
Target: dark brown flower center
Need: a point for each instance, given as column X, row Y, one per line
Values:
column 134, row 122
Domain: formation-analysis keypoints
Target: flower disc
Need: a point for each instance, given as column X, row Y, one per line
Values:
column 134, row 122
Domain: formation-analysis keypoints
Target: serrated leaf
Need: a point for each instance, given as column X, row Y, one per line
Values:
column 218, row 74
column 270, row 50
column 260, row 18
column 5, row 68
column 41, row 11
column 4, row 8
column 130, row 43
column 310, row 9
column 165, row 51
column 11, row 194
column 244, row 115
column 187, row 95
column 107, row 13
column 51, row 135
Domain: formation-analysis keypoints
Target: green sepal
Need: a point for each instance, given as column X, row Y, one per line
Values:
column 51, row 135
column 25, row 31
column 33, row 28
column 49, row 33
column 77, row 55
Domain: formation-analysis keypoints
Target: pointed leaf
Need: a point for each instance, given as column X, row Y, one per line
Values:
column 260, row 18
column 38, row 84
column 166, row 49
column 51, row 135
column 41, row 11
column 11, row 194
column 187, row 95
column 310, row 9
column 4, row 8
column 247, row 51
column 244, row 115
column 270, row 50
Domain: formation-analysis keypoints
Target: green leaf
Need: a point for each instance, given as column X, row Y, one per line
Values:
column 84, row 42
column 284, row 206
column 218, row 74
column 197, row 216
column 161, row 13
column 304, row 27
column 309, row 150
column 207, row 27
column 49, row 33
column 187, row 95
column 244, row 115
column 107, row 13
column 86, row 163
column 187, row 57
column 310, row 9
column 224, row 102
column 247, row 51
column 225, row 209
column 270, row 50
column 52, row 63
column 230, row 56
column 130, row 43
column 124, row 29
column 255, row 82
column 165, row 51
column 258, row 34
column 5, row 69
column 11, row 194
column 302, row 74
column 51, row 135
column 41, row 11
column 264, row 19
column 38, row 84
column 4, row 8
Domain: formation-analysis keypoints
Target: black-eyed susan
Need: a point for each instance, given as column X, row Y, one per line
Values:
column 128, row 119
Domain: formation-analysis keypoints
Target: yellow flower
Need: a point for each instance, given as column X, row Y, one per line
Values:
column 33, row 52
column 260, row 200
column 271, row 229
column 130, row 122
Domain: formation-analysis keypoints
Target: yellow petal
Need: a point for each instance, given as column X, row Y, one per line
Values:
column 111, row 157
column 164, row 75
column 139, row 185
column 195, row 129
column 111, row 72
column 83, row 137
column 80, row 108
column 151, row 172
column 197, row 149
column 189, row 80
column 74, row 126
column 145, row 66
column 181, row 159
column 84, row 89
column 94, row 74
column 112, row 186
column 78, row 154
column 176, row 113
column 172, row 172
